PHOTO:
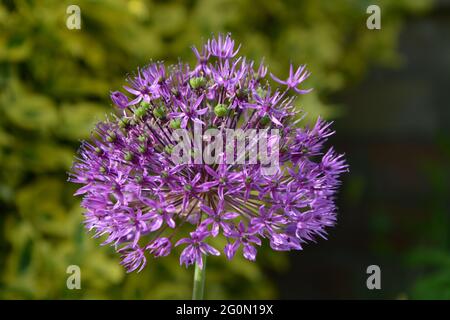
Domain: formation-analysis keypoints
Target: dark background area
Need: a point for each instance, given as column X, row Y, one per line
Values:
column 396, row 134
column 386, row 90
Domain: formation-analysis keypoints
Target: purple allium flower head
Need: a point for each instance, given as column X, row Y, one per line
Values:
column 143, row 203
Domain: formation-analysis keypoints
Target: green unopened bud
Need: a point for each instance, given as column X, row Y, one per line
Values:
column 175, row 124
column 98, row 150
column 221, row 110
column 128, row 156
column 242, row 94
column 140, row 112
column 145, row 105
column 168, row 149
column 164, row 174
column 142, row 149
column 159, row 112
column 197, row 82
column 111, row 136
column 264, row 120
column 188, row 187
column 112, row 198
column 138, row 179
column 102, row 169
column 124, row 122
column 261, row 92
column 142, row 138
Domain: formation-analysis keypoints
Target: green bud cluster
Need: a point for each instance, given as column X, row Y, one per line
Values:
column 197, row 82
column 142, row 110
column 264, row 120
column 111, row 137
column 221, row 110
column 160, row 112
column 168, row 149
column 175, row 124
column 128, row 156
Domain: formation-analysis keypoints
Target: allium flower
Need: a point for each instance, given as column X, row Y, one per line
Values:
column 222, row 47
column 295, row 79
column 143, row 203
column 119, row 99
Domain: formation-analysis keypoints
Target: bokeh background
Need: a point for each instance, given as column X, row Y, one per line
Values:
column 387, row 91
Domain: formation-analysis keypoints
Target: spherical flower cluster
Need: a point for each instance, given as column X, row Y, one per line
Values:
column 138, row 199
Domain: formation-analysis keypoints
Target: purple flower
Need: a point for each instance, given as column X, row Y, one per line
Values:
column 161, row 209
column 267, row 221
column 196, row 248
column 136, row 198
column 190, row 190
column 295, row 79
column 119, row 99
column 217, row 218
column 222, row 47
column 245, row 237
column 223, row 179
column 190, row 111
column 160, row 247
column 133, row 258
column 129, row 225
column 202, row 60
column 146, row 86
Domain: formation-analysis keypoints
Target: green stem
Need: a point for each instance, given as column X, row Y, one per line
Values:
column 199, row 281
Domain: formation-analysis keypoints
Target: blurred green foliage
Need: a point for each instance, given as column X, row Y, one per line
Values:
column 432, row 257
column 54, row 86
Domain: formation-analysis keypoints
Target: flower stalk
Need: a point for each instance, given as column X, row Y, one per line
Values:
column 199, row 281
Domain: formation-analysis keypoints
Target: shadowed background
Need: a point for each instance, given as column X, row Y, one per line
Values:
column 386, row 90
